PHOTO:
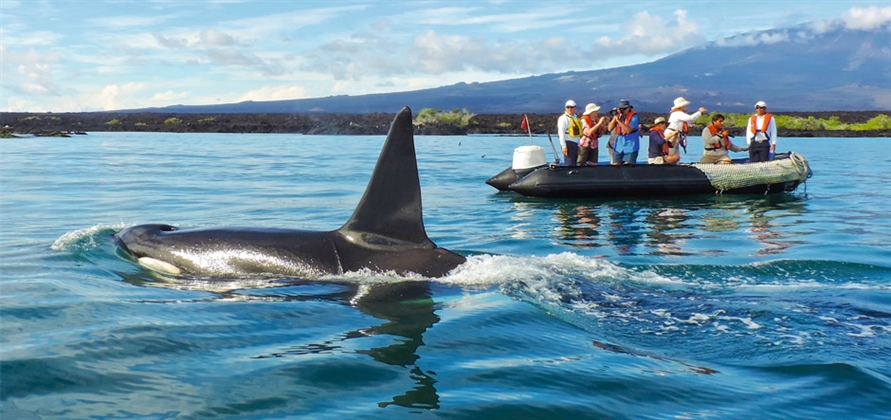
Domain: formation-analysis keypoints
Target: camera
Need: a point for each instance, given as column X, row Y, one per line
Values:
column 613, row 112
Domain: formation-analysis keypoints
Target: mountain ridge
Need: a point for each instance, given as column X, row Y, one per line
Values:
column 792, row 69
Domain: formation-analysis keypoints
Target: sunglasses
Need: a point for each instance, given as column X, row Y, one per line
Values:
column 760, row 107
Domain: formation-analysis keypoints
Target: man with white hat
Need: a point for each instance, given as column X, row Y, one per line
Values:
column 761, row 134
column 569, row 129
column 679, row 121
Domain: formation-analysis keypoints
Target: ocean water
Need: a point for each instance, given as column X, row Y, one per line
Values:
column 691, row 307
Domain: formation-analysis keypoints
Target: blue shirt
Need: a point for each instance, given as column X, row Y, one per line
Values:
column 630, row 143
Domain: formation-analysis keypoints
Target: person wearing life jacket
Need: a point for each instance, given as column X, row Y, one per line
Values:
column 569, row 129
column 680, row 121
column 660, row 142
column 717, row 144
column 627, row 125
column 592, row 128
column 761, row 134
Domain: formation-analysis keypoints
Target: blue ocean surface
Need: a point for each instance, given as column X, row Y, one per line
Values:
column 712, row 306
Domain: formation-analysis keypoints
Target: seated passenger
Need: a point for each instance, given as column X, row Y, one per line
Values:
column 657, row 153
column 717, row 144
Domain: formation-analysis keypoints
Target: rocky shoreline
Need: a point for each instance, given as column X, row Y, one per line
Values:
column 64, row 124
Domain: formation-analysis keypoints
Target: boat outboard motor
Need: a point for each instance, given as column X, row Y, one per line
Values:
column 526, row 160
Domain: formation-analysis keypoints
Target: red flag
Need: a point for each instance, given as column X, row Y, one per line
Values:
column 525, row 124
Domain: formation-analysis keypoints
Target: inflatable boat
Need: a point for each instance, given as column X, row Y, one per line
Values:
column 530, row 175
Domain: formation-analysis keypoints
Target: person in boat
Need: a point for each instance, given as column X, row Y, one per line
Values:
column 716, row 140
column 569, row 129
column 592, row 128
column 627, row 125
column 660, row 141
column 680, row 121
column 761, row 134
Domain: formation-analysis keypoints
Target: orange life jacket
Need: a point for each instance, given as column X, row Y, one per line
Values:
column 725, row 142
column 766, row 123
column 627, row 122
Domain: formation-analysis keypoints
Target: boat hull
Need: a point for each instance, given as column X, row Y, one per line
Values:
column 656, row 180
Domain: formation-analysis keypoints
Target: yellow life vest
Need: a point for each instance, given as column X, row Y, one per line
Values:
column 575, row 126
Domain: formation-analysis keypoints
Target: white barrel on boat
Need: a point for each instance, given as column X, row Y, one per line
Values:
column 527, row 157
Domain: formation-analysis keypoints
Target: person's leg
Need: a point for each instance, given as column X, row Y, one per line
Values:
column 572, row 150
column 618, row 158
column 592, row 156
column 583, row 155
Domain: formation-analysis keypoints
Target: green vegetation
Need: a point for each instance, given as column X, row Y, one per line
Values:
column 456, row 118
column 879, row 122
column 206, row 120
column 7, row 135
column 141, row 124
column 113, row 122
column 173, row 121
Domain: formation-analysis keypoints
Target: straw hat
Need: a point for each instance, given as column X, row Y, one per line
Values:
column 660, row 120
column 681, row 102
column 591, row 108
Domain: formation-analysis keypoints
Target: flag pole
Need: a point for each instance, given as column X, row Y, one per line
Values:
column 528, row 128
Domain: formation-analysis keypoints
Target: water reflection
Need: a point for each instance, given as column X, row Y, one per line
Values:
column 662, row 227
column 406, row 310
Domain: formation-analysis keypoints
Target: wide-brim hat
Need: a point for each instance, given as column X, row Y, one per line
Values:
column 681, row 102
column 592, row 107
column 570, row 103
column 624, row 104
column 660, row 120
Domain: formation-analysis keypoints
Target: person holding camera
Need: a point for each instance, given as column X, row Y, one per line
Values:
column 716, row 140
column 627, row 126
column 569, row 130
column 592, row 128
column 660, row 142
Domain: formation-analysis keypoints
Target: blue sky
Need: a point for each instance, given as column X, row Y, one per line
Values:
column 85, row 55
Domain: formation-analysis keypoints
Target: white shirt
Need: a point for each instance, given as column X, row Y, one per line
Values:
column 677, row 119
column 563, row 124
column 770, row 133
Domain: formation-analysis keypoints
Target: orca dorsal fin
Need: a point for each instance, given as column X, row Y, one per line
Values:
column 391, row 205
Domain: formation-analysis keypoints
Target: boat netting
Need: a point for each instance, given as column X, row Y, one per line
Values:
column 727, row 177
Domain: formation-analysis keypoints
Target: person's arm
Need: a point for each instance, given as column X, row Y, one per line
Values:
column 690, row 118
column 749, row 134
column 772, row 131
column 671, row 138
column 634, row 124
column 561, row 131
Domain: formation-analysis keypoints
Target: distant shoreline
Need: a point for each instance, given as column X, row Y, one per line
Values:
column 352, row 124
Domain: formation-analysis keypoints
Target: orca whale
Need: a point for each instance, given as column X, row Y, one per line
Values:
column 384, row 234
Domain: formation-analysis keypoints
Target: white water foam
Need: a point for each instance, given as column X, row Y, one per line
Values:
column 84, row 239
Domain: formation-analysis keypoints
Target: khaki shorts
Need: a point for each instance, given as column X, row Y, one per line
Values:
column 656, row 161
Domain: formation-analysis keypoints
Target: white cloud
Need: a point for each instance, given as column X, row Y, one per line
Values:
column 752, row 39
column 651, row 35
column 872, row 17
column 274, row 93
column 216, row 38
column 29, row 72
column 115, row 97
column 169, row 96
